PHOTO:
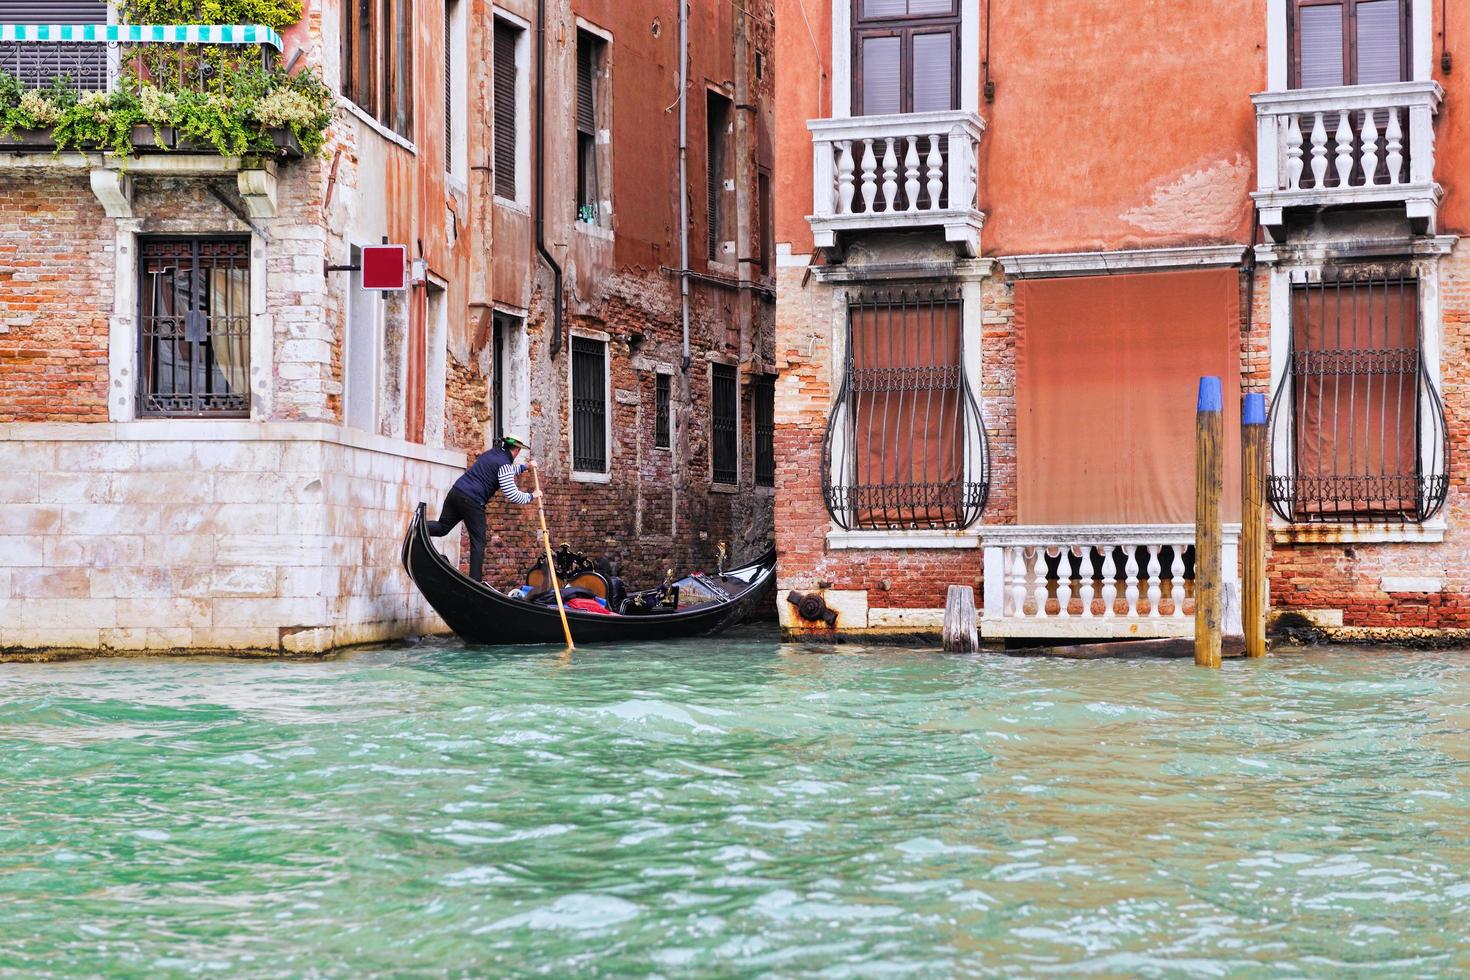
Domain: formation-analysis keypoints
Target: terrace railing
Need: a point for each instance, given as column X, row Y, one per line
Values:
column 91, row 57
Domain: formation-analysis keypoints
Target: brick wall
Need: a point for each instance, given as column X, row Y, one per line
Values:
column 1344, row 576
column 53, row 336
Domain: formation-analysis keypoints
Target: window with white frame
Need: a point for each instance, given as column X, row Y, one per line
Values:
column 590, row 411
column 510, row 112
column 456, row 63
column 724, row 424
column 593, row 180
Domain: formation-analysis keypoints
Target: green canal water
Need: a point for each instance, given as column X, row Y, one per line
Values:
column 735, row 808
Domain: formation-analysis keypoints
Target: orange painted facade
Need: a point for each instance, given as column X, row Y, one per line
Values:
column 1117, row 139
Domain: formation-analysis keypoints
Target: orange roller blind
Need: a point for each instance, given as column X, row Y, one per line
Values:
column 1107, row 371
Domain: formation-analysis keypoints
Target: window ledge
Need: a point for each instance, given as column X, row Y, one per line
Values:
column 1429, row 533
column 723, row 488
column 839, row 540
column 376, row 126
column 581, row 476
column 511, row 204
column 594, row 231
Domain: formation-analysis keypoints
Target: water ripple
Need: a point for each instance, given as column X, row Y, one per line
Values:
column 736, row 808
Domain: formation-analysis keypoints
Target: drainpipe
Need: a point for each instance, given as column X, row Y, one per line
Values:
column 684, row 175
column 556, row 299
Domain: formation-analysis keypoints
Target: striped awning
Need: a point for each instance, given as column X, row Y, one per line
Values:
column 142, row 33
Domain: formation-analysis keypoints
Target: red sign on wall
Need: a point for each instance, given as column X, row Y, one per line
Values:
column 385, row 267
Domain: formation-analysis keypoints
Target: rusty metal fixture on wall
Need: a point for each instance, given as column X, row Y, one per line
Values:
column 812, row 608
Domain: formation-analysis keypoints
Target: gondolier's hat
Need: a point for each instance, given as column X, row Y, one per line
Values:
column 511, row 441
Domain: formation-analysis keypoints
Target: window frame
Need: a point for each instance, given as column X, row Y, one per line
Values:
column 140, row 333
column 1349, row 39
column 719, row 171
column 1430, row 433
column 580, row 473
column 379, row 82
column 905, row 28
column 763, row 463
column 663, row 413
column 593, row 151
column 519, row 32
column 456, row 91
column 732, row 421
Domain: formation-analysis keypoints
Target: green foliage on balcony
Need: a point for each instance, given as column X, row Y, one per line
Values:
column 229, row 98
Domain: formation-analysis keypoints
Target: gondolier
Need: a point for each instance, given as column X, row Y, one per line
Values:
column 494, row 470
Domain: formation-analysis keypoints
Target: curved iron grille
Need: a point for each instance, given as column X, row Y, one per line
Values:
column 906, row 447
column 1358, row 430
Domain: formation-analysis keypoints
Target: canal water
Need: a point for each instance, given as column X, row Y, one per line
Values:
column 736, row 807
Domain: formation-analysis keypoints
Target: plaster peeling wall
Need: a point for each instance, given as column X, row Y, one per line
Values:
column 1210, row 202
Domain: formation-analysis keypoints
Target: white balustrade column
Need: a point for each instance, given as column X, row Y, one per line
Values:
column 1110, row 582
column 936, row 172
column 1130, row 585
column 1038, row 580
column 890, row 176
column 1016, row 562
column 1087, row 587
column 911, row 174
column 1155, row 585
column 1064, row 581
column 1370, row 148
column 870, row 176
column 1319, row 150
column 1344, row 138
column 1394, row 138
column 1176, row 581
column 845, row 188
column 1294, row 161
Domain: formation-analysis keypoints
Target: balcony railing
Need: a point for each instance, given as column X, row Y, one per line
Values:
column 896, row 173
column 1093, row 582
column 88, row 57
column 1356, row 144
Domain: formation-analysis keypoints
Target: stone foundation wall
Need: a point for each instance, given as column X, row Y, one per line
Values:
column 209, row 536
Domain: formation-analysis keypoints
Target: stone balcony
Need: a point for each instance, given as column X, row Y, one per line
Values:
column 1348, row 146
column 95, row 60
column 907, row 172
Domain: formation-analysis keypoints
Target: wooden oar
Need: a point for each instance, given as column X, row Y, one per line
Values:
column 550, row 561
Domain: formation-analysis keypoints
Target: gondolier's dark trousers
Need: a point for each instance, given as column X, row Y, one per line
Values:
column 458, row 507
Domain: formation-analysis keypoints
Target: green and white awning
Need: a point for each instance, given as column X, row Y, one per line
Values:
column 141, row 34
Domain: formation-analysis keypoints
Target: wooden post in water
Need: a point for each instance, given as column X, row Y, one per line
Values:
column 960, row 634
column 1209, row 474
column 1253, row 522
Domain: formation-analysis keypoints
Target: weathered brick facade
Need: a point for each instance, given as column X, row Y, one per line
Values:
column 280, row 532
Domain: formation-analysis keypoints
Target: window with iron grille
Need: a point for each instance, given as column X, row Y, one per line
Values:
column 591, row 90
column 1358, row 429
column 589, row 405
column 717, row 163
column 724, row 423
column 763, row 394
column 507, row 108
column 661, row 427
column 377, row 60
column 906, row 447
column 194, row 327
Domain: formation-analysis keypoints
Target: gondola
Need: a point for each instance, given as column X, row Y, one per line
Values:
column 481, row 614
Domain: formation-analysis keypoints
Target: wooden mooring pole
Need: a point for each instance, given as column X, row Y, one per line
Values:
column 1253, row 522
column 1209, row 474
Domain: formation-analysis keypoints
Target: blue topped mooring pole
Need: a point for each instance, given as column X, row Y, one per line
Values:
column 1253, row 598
column 1209, row 483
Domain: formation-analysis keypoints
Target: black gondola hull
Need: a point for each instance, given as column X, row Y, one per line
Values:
column 481, row 615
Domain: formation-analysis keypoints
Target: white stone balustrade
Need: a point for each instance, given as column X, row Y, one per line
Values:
column 1354, row 144
column 1092, row 582
column 898, row 172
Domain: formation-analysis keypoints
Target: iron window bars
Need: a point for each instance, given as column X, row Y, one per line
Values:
column 194, row 327
column 661, row 411
column 1358, row 429
column 724, row 424
column 906, row 446
column 764, row 399
column 589, row 405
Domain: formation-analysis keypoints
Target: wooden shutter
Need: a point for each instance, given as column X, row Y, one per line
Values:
column 586, row 106
column 53, row 12
column 1349, row 42
column 505, row 109
column 449, row 86
column 717, row 120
